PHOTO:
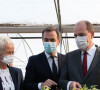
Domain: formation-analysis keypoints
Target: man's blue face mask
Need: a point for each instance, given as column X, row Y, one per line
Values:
column 50, row 47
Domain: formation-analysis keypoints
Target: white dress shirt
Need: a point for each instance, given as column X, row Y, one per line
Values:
column 50, row 61
column 50, row 64
column 6, row 79
column 90, row 56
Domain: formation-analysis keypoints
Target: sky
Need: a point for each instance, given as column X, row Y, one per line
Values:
column 43, row 11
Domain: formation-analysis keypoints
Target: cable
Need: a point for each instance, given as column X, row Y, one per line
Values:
column 57, row 7
column 56, row 10
column 25, row 50
column 27, row 44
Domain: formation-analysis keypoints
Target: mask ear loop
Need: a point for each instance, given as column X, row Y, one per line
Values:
column 1, row 57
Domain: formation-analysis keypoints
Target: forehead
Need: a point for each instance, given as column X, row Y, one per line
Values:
column 80, row 28
column 50, row 34
column 8, row 47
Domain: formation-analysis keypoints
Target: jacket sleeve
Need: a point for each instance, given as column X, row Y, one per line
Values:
column 30, row 76
column 20, row 79
column 63, row 80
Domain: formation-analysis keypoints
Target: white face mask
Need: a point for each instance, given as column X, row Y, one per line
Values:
column 81, row 42
column 8, row 59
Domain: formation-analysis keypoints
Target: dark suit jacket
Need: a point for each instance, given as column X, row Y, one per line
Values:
column 38, row 70
column 17, row 78
column 72, row 70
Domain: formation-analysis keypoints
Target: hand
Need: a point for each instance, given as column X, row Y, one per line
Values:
column 48, row 83
column 75, row 85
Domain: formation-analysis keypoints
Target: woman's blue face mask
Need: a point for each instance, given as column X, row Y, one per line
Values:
column 50, row 47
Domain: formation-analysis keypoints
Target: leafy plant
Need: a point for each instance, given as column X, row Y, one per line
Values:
column 45, row 88
column 93, row 87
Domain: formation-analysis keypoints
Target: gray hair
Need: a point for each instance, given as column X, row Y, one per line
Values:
column 4, row 40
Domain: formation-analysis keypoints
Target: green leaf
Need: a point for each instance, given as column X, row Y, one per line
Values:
column 73, row 89
column 85, row 87
column 81, row 88
column 93, row 86
column 45, row 88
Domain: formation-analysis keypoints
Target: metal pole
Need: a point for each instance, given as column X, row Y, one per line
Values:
column 59, row 19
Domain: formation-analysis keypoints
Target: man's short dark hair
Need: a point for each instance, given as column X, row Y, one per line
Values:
column 51, row 28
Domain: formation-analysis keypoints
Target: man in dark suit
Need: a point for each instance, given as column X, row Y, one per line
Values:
column 81, row 66
column 44, row 69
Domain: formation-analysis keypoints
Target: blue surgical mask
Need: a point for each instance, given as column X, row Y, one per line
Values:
column 50, row 47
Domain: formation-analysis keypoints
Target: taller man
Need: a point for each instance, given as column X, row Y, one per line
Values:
column 82, row 66
column 44, row 69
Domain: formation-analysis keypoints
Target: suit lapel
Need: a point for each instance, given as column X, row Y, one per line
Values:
column 14, row 76
column 94, row 63
column 59, row 61
column 45, row 63
column 1, row 88
column 77, row 59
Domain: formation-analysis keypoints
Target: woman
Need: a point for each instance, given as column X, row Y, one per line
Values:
column 10, row 77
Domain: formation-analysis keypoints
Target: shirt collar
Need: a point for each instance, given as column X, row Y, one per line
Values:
column 47, row 55
column 4, row 70
column 91, row 50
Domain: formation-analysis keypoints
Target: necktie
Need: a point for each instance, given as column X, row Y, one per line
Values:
column 54, row 69
column 84, row 64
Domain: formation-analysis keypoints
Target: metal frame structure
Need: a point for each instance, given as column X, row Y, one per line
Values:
column 38, row 29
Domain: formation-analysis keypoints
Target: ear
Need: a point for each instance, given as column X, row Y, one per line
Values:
column 58, row 42
column 92, row 34
column 42, row 41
